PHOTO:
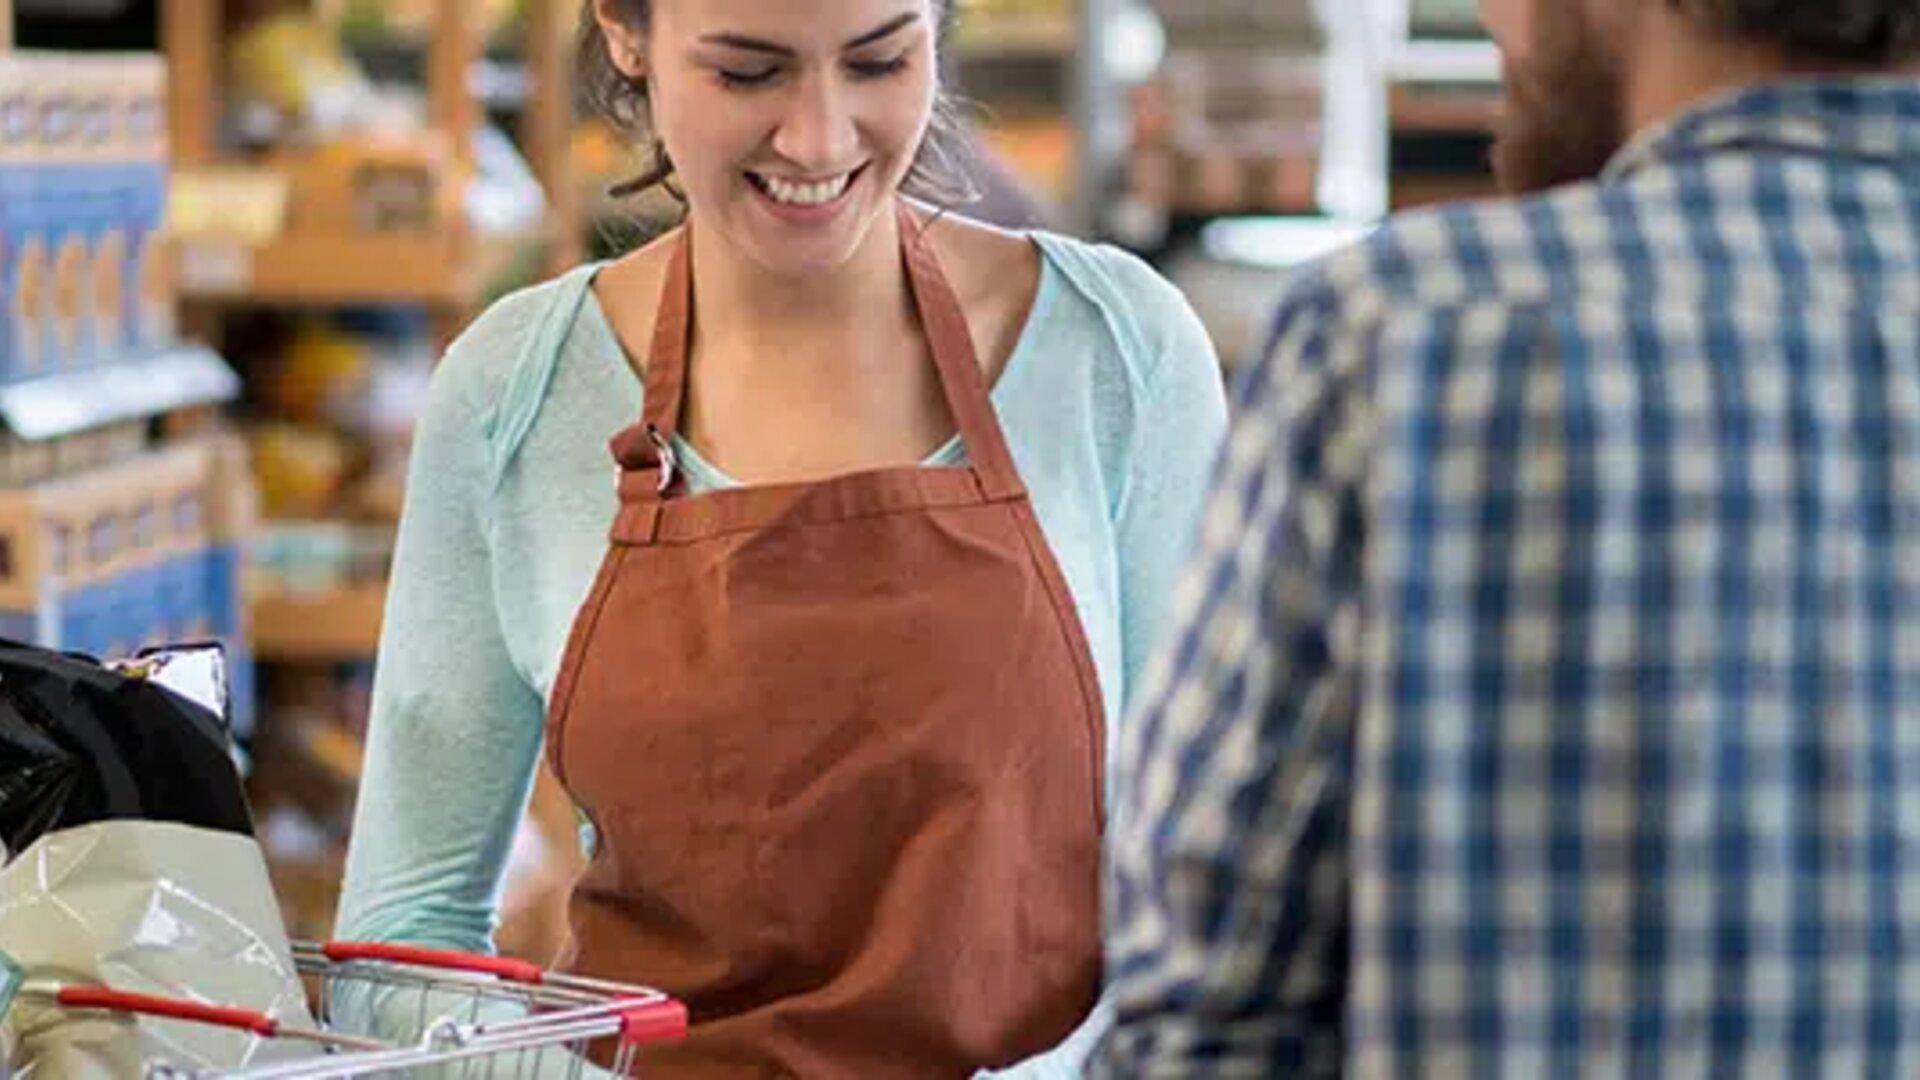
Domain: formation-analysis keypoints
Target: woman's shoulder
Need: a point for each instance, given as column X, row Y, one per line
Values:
column 1109, row 300
column 481, row 361
column 511, row 348
column 1145, row 314
column 496, row 378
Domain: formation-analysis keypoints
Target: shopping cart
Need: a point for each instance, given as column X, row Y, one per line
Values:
column 480, row 1016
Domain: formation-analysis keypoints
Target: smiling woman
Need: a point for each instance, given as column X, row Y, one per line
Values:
column 835, row 662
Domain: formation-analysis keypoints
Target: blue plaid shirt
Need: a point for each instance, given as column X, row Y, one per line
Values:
column 1549, row 695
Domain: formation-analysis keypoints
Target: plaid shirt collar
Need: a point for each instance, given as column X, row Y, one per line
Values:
column 1871, row 120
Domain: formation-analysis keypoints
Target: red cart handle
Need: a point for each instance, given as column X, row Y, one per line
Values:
column 100, row 997
column 653, row 1022
column 517, row 971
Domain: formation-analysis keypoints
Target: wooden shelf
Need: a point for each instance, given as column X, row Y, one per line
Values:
column 448, row 271
column 137, row 387
column 331, row 268
column 1443, row 111
column 1017, row 39
column 333, row 626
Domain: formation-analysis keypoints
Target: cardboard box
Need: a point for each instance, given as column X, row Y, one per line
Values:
column 374, row 184
column 85, row 272
column 115, row 559
column 22, row 245
column 125, row 154
column 64, row 209
column 152, row 305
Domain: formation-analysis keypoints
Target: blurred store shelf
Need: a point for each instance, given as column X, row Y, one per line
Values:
column 453, row 269
column 339, row 625
column 135, row 388
column 1037, row 37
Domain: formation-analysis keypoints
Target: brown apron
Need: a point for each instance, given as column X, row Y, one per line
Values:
column 842, row 743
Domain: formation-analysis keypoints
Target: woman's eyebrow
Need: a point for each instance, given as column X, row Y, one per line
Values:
column 752, row 44
column 885, row 30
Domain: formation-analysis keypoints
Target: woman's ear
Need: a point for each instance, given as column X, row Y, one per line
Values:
column 624, row 46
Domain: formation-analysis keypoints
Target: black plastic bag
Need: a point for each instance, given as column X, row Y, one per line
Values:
column 80, row 743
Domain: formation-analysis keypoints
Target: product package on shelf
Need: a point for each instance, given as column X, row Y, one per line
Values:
column 23, row 255
column 141, row 552
column 99, row 561
column 1229, row 131
column 85, row 276
column 1279, row 25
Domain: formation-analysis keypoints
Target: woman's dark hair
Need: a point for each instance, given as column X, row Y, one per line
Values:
column 939, row 173
column 1868, row 32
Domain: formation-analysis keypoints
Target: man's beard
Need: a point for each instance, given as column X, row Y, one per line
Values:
column 1563, row 115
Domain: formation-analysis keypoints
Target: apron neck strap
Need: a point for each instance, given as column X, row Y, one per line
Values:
column 672, row 336
column 945, row 323
column 648, row 446
column 958, row 364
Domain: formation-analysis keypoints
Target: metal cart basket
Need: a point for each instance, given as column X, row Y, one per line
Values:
column 480, row 1017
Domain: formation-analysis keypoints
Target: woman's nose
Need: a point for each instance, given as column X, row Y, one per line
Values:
column 816, row 131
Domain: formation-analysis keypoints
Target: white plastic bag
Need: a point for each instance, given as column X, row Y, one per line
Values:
column 153, row 908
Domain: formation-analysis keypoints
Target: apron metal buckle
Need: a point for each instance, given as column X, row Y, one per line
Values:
column 669, row 460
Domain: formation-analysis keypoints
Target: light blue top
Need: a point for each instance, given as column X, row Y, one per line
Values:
column 1113, row 409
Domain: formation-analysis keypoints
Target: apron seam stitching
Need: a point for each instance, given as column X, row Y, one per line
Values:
column 563, row 705
column 662, row 540
column 1074, row 638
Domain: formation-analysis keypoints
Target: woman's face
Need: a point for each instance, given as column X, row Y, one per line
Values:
column 791, row 123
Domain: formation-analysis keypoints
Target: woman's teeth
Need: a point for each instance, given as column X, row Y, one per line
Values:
column 805, row 194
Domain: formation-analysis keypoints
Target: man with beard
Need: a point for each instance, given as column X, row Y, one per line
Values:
column 1548, row 700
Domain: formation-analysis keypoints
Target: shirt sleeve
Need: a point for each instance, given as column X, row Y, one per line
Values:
column 1178, row 432
column 1227, row 891
column 455, row 730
